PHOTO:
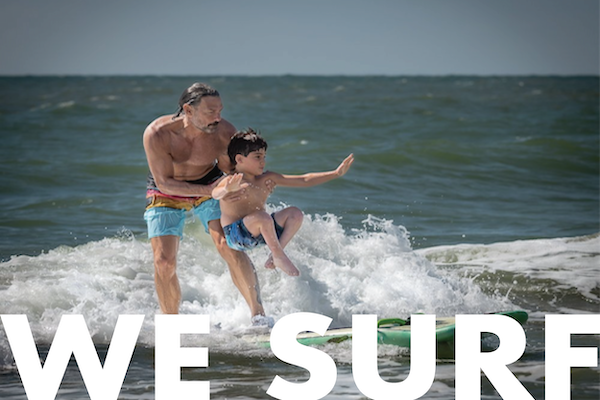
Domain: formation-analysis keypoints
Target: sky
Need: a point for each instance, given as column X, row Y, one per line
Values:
column 308, row 37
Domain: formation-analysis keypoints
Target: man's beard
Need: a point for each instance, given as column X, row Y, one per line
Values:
column 210, row 128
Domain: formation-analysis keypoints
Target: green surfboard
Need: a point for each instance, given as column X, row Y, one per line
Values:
column 390, row 331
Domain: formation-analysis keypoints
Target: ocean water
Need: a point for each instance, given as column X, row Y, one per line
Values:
column 468, row 195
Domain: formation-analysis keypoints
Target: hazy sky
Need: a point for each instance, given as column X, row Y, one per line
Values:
column 266, row 37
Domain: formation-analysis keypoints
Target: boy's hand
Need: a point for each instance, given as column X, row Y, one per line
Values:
column 345, row 166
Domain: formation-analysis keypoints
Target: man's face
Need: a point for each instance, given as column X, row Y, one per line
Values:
column 206, row 115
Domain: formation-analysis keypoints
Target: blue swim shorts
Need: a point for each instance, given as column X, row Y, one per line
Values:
column 163, row 221
column 239, row 238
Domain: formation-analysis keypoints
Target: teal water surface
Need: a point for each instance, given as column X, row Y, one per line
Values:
column 468, row 195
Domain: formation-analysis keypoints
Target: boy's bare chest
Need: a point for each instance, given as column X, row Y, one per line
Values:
column 254, row 199
column 258, row 192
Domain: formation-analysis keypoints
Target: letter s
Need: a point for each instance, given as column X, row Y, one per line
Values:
column 323, row 372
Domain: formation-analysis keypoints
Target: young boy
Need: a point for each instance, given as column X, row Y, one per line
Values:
column 245, row 222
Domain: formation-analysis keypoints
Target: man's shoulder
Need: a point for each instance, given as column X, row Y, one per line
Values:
column 160, row 126
column 161, row 122
column 226, row 128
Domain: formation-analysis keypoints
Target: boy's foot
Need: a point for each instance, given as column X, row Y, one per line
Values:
column 270, row 264
column 286, row 265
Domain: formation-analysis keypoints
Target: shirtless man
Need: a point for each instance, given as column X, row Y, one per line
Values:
column 245, row 222
column 186, row 153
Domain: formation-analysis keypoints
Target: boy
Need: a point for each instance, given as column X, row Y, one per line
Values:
column 245, row 222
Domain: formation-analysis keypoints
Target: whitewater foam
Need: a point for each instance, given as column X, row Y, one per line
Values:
column 372, row 270
column 369, row 270
column 564, row 263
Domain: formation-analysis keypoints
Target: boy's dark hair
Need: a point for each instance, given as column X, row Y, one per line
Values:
column 194, row 94
column 245, row 142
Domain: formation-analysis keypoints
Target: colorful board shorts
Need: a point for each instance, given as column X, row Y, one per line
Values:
column 239, row 238
column 166, row 216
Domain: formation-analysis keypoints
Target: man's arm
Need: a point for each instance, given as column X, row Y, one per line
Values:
column 161, row 167
column 227, row 130
column 312, row 178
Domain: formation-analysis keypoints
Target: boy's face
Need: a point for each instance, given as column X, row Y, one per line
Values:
column 253, row 163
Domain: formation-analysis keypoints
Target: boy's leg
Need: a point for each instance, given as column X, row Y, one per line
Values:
column 290, row 219
column 261, row 223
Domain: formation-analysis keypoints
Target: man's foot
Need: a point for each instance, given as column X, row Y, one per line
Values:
column 262, row 320
column 286, row 265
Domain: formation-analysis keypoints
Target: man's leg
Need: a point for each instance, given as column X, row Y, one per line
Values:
column 240, row 267
column 165, row 276
column 165, row 228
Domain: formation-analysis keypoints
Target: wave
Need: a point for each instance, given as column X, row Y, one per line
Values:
column 368, row 270
column 551, row 275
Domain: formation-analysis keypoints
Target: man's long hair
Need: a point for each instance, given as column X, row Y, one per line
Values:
column 194, row 94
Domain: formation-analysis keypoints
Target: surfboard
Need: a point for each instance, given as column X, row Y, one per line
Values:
column 390, row 331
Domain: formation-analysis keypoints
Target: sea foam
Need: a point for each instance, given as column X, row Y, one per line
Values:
column 369, row 270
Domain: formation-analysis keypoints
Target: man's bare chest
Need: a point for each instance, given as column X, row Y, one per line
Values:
column 199, row 151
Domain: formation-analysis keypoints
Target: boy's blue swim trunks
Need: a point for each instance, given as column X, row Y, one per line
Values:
column 239, row 238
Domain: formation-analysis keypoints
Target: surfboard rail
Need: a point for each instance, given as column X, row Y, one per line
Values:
column 390, row 331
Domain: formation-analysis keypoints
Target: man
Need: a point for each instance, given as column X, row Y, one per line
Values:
column 186, row 153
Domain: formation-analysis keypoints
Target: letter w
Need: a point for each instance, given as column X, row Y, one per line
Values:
column 72, row 337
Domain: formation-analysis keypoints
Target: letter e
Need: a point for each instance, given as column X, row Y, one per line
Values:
column 169, row 356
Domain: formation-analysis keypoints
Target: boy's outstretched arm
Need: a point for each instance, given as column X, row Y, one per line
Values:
column 314, row 178
column 229, row 184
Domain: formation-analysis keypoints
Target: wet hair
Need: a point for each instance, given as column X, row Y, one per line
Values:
column 245, row 142
column 194, row 94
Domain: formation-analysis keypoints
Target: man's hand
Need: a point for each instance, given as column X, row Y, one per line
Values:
column 270, row 185
column 234, row 183
column 230, row 188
